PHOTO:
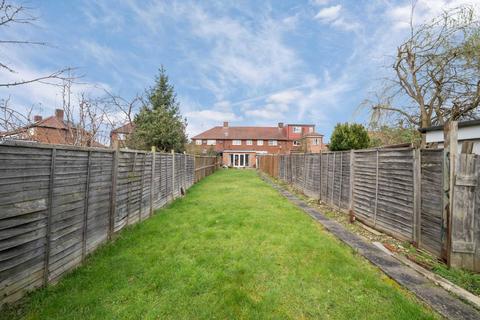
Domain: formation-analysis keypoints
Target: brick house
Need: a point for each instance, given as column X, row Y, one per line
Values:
column 239, row 146
column 118, row 136
column 52, row 130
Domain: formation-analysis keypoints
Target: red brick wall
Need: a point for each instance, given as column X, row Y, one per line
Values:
column 293, row 135
column 221, row 145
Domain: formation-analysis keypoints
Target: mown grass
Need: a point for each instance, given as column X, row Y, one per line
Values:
column 233, row 248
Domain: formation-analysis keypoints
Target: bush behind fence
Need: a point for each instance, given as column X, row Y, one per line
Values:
column 58, row 204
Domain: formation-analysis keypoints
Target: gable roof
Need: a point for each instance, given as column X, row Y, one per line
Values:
column 50, row 122
column 242, row 133
column 126, row 128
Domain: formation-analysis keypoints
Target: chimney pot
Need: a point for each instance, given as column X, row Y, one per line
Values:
column 280, row 124
column 225, row 124
column 59, row 114
column 37, row 118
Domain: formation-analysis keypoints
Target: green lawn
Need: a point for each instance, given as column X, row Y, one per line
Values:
column 233, row 248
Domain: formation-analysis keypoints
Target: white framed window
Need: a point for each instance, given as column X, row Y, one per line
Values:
column 237, row 142
column 316, row 142
column 296, row 143
column 249, row 142
column 310, row 129
column 259, row 142
column 211, row 142
column 198, row 142
column 272, row 142
column 297, row 129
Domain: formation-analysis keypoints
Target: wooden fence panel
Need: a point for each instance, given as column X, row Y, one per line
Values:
column 204, row 166
column 59, row 203
column 398, row 191
column 344, row 195
column 395, row 202
column 365, row 185
column 431, row 206
column 24, row 201
column 68, row 211
column 98, row 213
column 312, row 175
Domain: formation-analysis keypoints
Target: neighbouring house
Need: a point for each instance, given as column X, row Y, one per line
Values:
column 312, row 143
column 239, row 146
column 52, row 130
column 467, row 131
column 118, row 136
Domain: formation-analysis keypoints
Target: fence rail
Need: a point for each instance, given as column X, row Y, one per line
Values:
column 59, row 203
column 398, row 191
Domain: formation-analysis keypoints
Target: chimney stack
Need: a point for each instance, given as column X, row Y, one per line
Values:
column 37, row 118
column 225, row 124
column 280, row 124
column 59, row 114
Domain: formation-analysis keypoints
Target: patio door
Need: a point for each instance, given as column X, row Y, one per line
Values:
column 239, row 160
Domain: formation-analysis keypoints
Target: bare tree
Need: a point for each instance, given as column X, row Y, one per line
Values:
column 11, row 14
column 437, row 72
column 10, row 118
column 91, row 118
column 121, row 111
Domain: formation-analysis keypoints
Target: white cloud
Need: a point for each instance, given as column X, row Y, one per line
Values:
column 201, row 120
column 329, row 14
column 212, row 115
column 285, row 97
column 241, row 54
column 103, row 54
column 336, row 17
column 264, row 114
column 425, row 10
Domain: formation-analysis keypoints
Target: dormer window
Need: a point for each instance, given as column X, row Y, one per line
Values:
column 297, row 129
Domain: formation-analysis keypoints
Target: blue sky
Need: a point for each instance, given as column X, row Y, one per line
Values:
column 247, row 62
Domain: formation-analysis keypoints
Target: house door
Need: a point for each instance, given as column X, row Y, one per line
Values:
column 239, row 160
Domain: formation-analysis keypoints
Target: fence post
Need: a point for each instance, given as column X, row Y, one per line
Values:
column 85, row 207
column 185, row 157
column 341, row 179
column 320, row 176
column 51, row 185
column 173, row 174
column 376, row 193
column 304, row 172
column 333, row 178
column 463, row 234
column 142, row 186
column 152, row 180
column 449, row 164
column 417, row 196
column 352, row 178
column 113, row 194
